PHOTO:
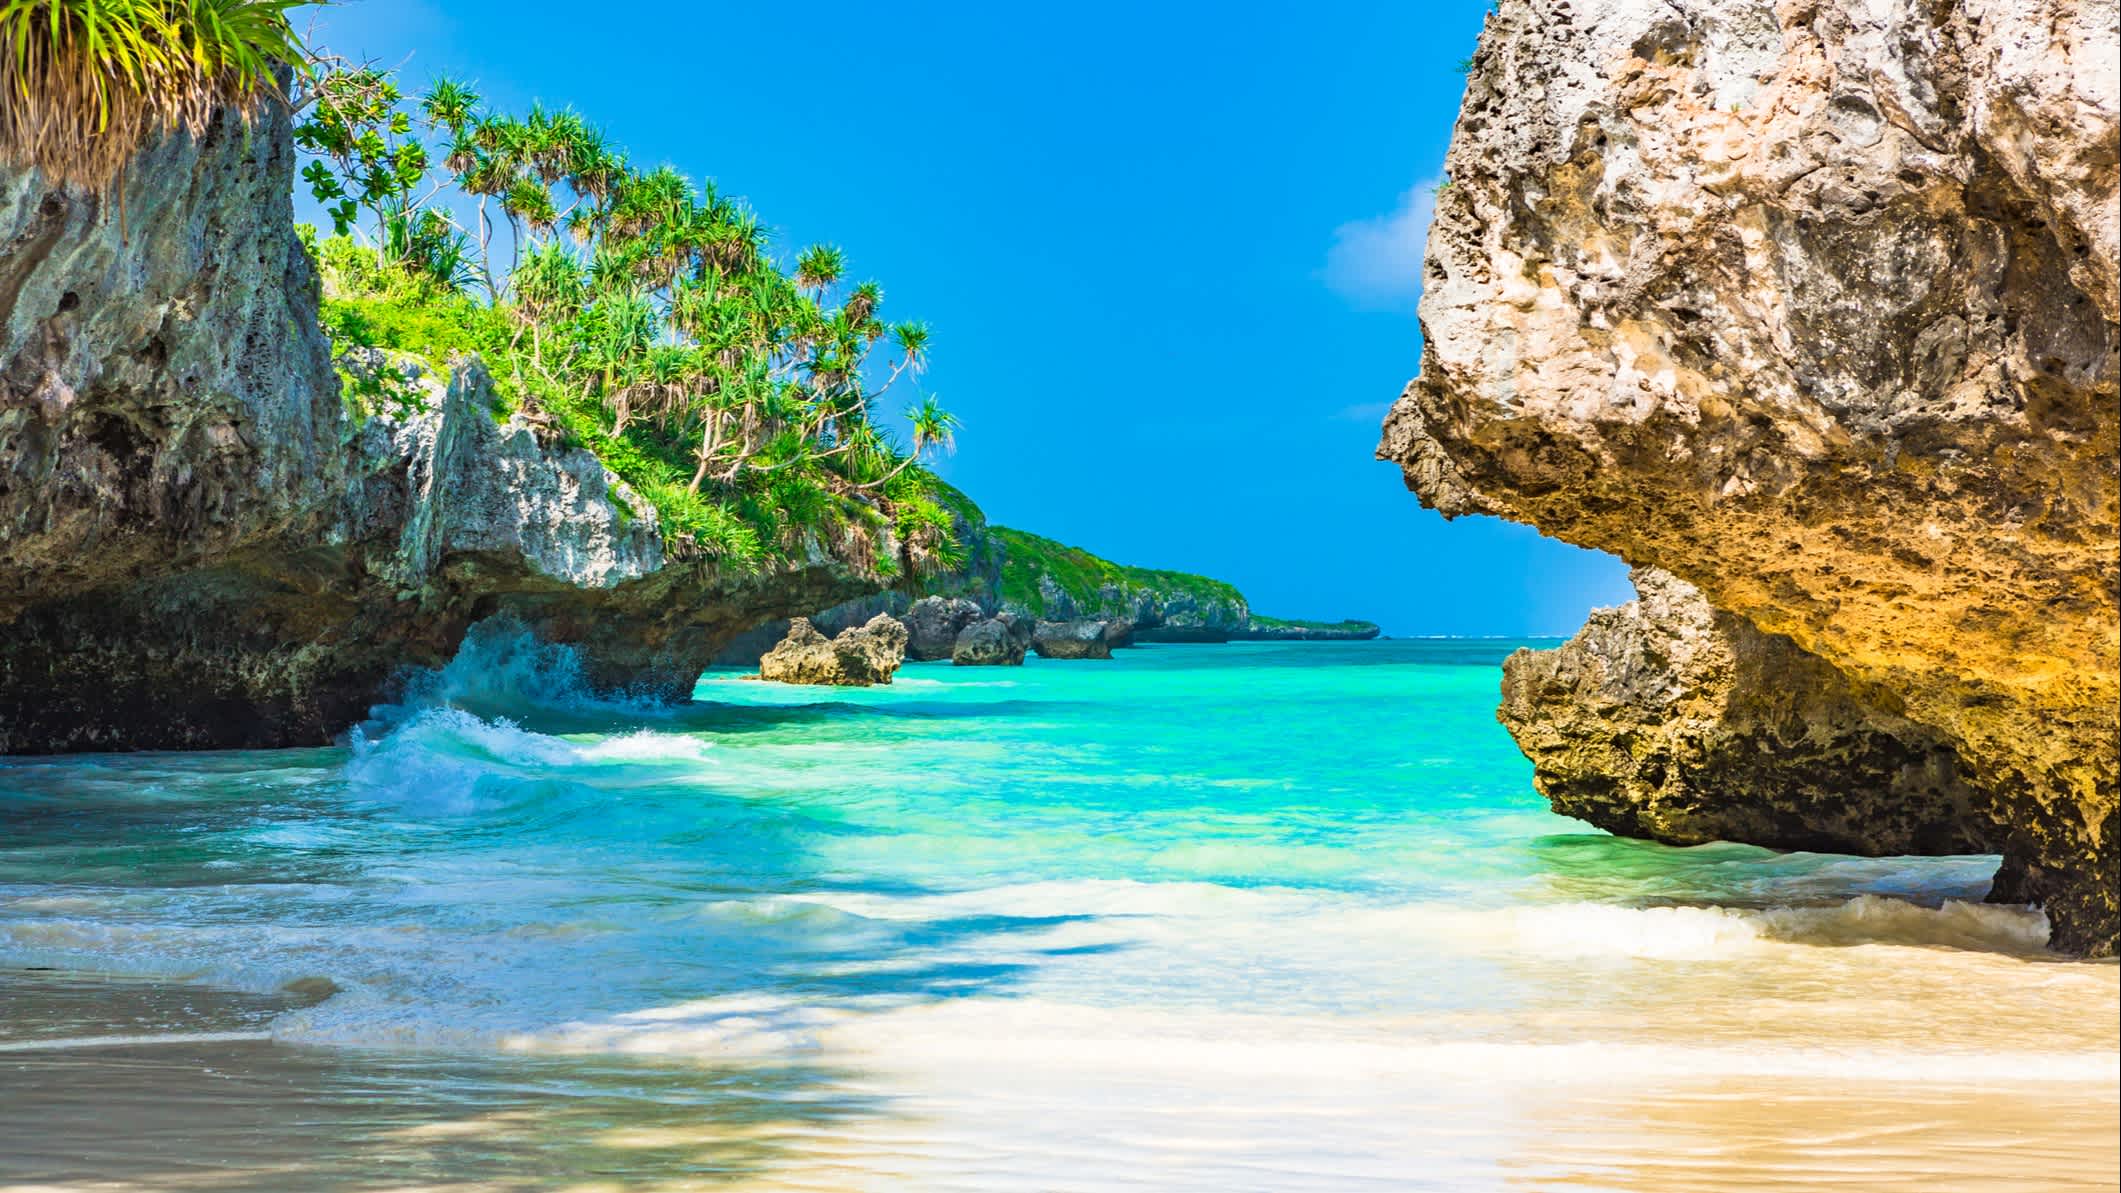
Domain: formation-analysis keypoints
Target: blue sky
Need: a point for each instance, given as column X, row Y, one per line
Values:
column 1168, row 251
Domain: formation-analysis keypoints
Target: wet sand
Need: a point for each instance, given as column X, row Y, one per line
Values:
column 82, row 1109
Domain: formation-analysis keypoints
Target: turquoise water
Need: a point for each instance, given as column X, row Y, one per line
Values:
column 1298, row 904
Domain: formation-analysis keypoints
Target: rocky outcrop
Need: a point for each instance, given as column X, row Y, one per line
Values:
column 203, row 545
column 1812, row 305
column 166, row 394
column 998, row 641
column 1275, row 629
column 933, row 624
column 1033, row 579
column 1047, row 581
column 443, row 517
column 744, row 650
column 1082, row 638
column 1648, row 717
column 859, row 657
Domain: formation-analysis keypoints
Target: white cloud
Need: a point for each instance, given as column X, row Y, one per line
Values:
column 1364, row 412
column 1376, row 263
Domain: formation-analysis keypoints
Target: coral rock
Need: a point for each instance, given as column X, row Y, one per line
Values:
column 1645, row 720
column 933, row 624
column 998, row 641
column 1083, row 638
column 1813, row 306
column 859, row 657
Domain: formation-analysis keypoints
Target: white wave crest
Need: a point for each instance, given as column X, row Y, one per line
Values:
column 646, row 745
column 444, row 760
column 448, row 762
column 504, row 670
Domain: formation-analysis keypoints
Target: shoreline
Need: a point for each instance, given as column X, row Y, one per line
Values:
column 256, row 1113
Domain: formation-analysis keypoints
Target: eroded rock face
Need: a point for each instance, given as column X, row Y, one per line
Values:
column 443, row 517
column 933, row 624
column 1082, row 638
column 290, row 638
column 1813, row 305
column 858, row 657
column 1644, row 722
column 164, row 385
column 998, row 641
column 201, row 546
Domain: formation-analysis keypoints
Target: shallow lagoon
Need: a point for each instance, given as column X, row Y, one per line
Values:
column 1253, row 916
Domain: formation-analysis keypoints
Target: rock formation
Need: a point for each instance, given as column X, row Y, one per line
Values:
column 201, row 545
column 998, row 641
column 165, row 389
column 1082, row 638
column 1812, row 305
column 1655, row 710
column 1034, row 579
column 933, row 624
column 744, row 650
column 858, row 657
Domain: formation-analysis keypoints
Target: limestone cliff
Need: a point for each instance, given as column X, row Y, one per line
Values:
column 1812, row 305
column 164, row 386
column 203, row 545
column 1044, row 580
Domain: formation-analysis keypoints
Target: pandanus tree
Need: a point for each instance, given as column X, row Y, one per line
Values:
column 619, row 328
column 819, row 267
column 548, row 286
column 663, row 311
column 933, row 427
column 428, row 244
column 449, row 106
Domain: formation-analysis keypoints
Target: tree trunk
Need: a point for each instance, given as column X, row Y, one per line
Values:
column 493, row 292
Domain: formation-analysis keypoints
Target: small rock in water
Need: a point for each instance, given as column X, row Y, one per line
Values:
column 1083, row 638
column 857, row 658
column 934, row 623
column 998, row 641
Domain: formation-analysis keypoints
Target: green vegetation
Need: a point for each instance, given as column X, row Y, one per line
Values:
column 642, row 315
column 1349, row 626
column 88, row 82
column 1026, row 557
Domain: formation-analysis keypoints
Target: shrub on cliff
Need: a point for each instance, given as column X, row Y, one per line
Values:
column 1032, row 564
column 89, row 82
column 644, row 315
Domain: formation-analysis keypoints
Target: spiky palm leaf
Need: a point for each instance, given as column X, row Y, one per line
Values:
column 819, row 266
column 429, row 246
column 531, row 203
column 450, row 105
column 89, row 82
column 548, row 284
column 861, row 305
column 932, row 425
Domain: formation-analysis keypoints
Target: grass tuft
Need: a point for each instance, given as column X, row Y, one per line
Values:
column 87, row 83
